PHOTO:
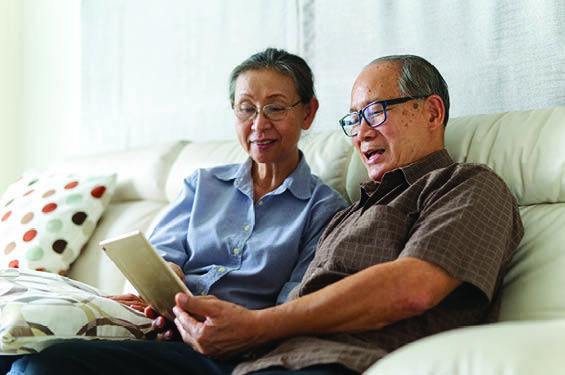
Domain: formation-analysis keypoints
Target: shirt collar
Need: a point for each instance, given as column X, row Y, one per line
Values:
column 439, row 159
column 414, row 171
column 298, row 182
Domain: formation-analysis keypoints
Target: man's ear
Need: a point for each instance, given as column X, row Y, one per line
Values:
column 309, row 113
column 435, row 111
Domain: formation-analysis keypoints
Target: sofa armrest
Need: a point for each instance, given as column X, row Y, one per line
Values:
column 510, row 348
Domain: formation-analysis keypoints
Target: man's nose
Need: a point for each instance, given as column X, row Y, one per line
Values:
column 364, row 131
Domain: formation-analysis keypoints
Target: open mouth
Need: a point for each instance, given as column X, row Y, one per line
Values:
column 374, row 153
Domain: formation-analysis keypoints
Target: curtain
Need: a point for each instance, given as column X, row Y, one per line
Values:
column 155, row 71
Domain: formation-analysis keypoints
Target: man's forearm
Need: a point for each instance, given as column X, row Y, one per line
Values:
column 367, row 300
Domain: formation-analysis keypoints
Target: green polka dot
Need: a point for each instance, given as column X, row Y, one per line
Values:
column 34, row 254
column 73, row 199
column 54, row 225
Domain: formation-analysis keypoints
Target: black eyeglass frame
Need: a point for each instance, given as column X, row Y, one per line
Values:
column 384, row 103
column 262, row 109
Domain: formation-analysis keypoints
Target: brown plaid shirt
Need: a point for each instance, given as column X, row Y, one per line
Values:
column 461, row 217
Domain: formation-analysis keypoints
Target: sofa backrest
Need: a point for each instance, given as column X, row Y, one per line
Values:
column 525, row 149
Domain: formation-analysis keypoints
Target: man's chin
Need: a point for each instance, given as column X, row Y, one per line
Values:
column 376, row 173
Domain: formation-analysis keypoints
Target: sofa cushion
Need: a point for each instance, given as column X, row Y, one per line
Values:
column 142, row 172
column 47, row 219
column 201, row 155
column 523, row 147
column 533, row 287
column 38, row 309
column 328, row 153
column 517, row 348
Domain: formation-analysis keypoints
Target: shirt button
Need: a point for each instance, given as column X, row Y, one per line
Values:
column 260, row 203
column 221, row 269
column 235, row 251
column 246, row 228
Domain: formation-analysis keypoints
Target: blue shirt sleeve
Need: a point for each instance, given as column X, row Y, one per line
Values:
column 326, row 203
column 170, row 234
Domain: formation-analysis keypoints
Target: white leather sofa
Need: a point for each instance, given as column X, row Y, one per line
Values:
column 525, row 148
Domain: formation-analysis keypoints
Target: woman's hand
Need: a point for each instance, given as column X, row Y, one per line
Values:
column 166, row 330
column 221, row 330
column 177, row 270
column 130, row 300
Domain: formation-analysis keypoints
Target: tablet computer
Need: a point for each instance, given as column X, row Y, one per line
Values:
column 147, row 271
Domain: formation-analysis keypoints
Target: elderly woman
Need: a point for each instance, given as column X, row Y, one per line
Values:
column 243, row 233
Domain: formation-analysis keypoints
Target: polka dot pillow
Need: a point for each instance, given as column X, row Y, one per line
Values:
column 45, row 220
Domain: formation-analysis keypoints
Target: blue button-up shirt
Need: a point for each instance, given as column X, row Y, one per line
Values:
column 248, row 253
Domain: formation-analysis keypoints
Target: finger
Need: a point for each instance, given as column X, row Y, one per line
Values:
column 139, row 308
column 159, row 324
column 187, row 322
column 168, row 335
column 187, row 337
column 197, row 306
column 151, row 313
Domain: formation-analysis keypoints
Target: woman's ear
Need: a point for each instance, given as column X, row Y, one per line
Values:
column 310, row 110
column 435, row 111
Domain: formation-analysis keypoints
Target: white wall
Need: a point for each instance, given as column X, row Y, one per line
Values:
column 39, row 84
column 157, row 70
column 50, row 83
column 9, row 88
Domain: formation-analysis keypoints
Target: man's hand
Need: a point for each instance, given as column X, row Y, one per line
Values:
column 222, row 330
column 130, row 300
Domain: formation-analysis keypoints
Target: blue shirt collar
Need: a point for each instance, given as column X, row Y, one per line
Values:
column 298, row 182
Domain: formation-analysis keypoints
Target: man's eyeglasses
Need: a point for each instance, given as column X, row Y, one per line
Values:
column 373, row 113
column 273, row 112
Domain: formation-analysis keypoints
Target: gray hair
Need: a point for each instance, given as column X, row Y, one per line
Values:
column 282, row 62
column 419, row 77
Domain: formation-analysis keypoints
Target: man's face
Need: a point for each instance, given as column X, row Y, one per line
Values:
column 405, row 136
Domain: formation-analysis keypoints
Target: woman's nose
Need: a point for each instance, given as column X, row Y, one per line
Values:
column 260, row 122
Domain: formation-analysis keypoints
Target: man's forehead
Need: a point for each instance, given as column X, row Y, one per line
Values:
column 377, row 81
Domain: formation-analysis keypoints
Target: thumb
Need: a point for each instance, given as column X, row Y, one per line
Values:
column 196, row 306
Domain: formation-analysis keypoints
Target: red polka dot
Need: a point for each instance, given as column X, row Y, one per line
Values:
column 29, row 235
column 71, row 185
column 6, row 215
column 28, row 192
column 14, row 264
column 98, row 191
column 49, row 208
column 40, row 269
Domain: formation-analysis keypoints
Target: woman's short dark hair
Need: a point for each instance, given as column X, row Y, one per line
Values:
column 282, row 62
column 419, row 77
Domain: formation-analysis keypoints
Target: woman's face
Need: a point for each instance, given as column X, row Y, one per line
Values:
column 271, row 141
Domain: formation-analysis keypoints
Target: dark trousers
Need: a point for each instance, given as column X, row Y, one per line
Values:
column 134, row 357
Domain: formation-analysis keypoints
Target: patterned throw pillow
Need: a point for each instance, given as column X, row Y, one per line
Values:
column 38, row 309
column 45, row 220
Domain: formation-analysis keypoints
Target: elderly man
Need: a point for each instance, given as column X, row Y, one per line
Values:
column 423, row 251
